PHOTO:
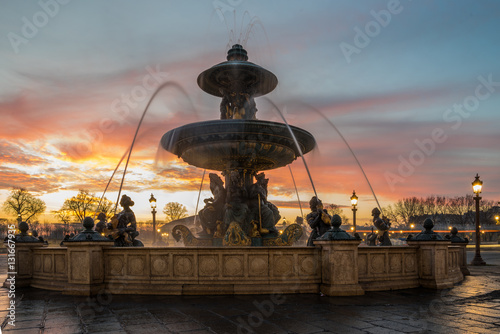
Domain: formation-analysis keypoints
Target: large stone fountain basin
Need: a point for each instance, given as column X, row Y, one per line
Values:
column 225, row 144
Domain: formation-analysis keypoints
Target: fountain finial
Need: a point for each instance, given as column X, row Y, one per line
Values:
column 237, row 53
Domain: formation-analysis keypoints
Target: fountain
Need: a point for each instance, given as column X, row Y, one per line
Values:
column 241, row 147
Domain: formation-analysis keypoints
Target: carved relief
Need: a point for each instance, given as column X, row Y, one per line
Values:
column 362, row 264
column 60, row 264
column 136, row 265
column 183, row 266
column 37, row 263
column 209, row 265
column 116, row 265
column 344, row 267
column 307, row 265
column 159, row 265
column 377, row 264
column 233, row 266
column 79, row 266
column 395, row 263
column 410, row 263
column 283, row 266
column 258, row 266
column 47, row 263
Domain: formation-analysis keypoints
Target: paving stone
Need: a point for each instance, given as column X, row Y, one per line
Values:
column 74, row 329
column 184, row 326
column 169, row 317
column 104, row 327
column 21, row 330
column 57, row 322
column 147, row 329
column 400, row 327
column 295, row 326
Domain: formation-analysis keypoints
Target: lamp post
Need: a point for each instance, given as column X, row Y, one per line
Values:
column 152, row 201
column 354, row 202
column 477, row 185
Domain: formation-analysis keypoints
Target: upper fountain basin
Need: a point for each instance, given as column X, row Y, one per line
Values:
column 227, row 144
column 235, row 75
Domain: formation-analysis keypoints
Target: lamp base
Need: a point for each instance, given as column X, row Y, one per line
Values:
column 477, row 261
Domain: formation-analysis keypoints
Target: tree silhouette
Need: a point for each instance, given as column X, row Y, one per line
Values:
column 174, row 211
column 23, row 204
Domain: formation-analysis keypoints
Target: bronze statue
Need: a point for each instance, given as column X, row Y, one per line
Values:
column 264, row 212
column 371, row 239
column 236, row 208
column 382, row 226
column 319, row 220
column 214, row 206
column 237, row 105
column 124, row 226
column 101, row 226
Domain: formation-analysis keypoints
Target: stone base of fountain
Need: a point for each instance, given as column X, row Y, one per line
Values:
column 334, row 268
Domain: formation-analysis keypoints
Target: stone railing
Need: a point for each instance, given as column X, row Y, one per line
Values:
column 333, row 267
column 388, row 268
column 235, row 270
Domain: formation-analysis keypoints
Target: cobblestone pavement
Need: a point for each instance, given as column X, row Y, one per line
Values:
column 470, row 307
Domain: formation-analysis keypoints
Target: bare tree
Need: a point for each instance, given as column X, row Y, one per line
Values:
column 390, row 213
column 334, row 209
column 23, row 204
column 82, row 205
column 460, row 209
column 63, row 215
column 174, row 211
column 408, row 208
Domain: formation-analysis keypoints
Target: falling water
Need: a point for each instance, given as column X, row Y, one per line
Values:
column 199, row 194
column 349, row 147
column 296, row 191
column 129, row 150
column 295, row 141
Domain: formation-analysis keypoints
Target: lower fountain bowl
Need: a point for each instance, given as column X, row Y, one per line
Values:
column 227, row 144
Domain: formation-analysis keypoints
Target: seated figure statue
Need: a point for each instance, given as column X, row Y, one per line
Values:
column 382, row 227
column 214, row 206
column 319, row 220
column 124, row 226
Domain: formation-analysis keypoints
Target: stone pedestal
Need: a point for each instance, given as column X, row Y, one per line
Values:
column 22, row 270
column 85, row 267
column 339, row 259
column 462, row 258
column 432, row 257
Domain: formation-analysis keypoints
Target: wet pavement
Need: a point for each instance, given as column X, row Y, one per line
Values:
column 472, row 306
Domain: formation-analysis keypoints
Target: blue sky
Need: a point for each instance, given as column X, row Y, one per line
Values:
column 60, row 81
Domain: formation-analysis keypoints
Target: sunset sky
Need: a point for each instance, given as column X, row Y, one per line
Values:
column 413, row 86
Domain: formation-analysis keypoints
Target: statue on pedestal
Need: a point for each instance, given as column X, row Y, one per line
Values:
column 382, row 227
column 214, row 206
column 124, row 226
column 319, row 220
column 264, row 212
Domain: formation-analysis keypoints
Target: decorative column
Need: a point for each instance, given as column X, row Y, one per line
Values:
column 432, row 257
column 85, row 261
column 20, row 256
column 339, row 256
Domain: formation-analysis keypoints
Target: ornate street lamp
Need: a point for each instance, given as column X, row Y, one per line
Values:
column 152, row 201
column 477, row 186
column 354, row 202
